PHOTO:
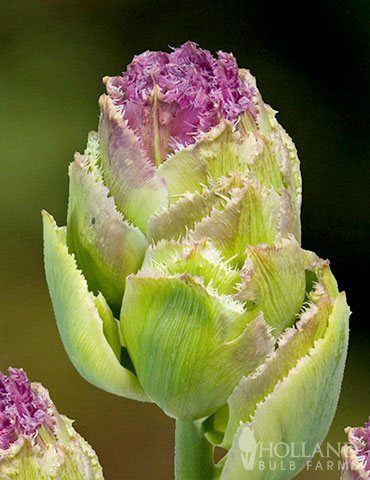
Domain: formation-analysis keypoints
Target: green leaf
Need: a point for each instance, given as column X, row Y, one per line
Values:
column 79, row 323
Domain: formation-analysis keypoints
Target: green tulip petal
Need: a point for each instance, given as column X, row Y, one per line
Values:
column 250, row 217
column 226, row 150
column 288, row 159
column 161, row 253
column 290, row 223
column 278, row 147
column 184, row 171
column 216, row 154
column 175, row 222
column 274, row 281
column 258, row 119
column 129, row 175
column 265, row 166
column 110, row 325
column 200, row 260
column 106, row 246
column 300, row 408
column 79, row 323
column 294, row 344
column 189, row 348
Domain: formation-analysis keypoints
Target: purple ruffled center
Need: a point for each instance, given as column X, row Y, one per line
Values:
column 21, row 410
column 360, row 440
column 181, row 93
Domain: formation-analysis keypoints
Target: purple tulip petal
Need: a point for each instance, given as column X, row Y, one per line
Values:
column 22, row 411
column 169, row 98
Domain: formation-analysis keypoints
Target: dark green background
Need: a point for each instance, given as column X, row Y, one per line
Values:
column 311, row 64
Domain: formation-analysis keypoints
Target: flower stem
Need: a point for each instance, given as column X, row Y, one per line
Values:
column 193, row 453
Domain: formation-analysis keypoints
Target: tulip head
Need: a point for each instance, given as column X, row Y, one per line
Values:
column 36, row 442
column 356, row 455
column 180, row 278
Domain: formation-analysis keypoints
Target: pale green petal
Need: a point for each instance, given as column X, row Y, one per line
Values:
column 300, row 408
column 110, row 325
column 128, row 173
column 200, row 260
column 250, row 217
column 106, row 246
column 274, row 282
column 184, row 171
column 79, row 323
column 161, row 253
column 290, row 222
column 278, row 147
column 288, row 159
column 189, row 348
column 175, row 222
column 294, row 344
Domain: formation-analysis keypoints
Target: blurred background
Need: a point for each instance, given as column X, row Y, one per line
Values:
column 311, row 64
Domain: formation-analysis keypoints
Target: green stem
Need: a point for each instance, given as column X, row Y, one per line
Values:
column 193, row 453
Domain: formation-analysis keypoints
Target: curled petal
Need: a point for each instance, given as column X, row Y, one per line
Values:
column 80, row 325
column 274, row 281
column 107, row 247
column 188, row 347
column 300, row 408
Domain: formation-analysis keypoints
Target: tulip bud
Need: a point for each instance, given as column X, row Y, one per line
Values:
column 36, row 442
column 184, row 224
column 356, row 455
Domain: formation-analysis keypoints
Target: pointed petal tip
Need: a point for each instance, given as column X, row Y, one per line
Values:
column 79, row 322
column 107, row 107
column 79, row 159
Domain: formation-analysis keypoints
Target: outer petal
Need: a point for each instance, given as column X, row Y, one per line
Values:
column 79, row 323
column 129, row 175
column 189, row 348
column 356, row 455
column 274, row 282
column 300, row 409
column 294, row 344
column 107, row 247
column 279, row 147
column 353, row 467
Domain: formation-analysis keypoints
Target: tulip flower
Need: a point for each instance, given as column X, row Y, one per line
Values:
column 36, row 442
column 356, row 455
column 180, row 278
